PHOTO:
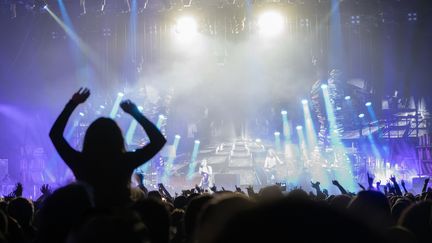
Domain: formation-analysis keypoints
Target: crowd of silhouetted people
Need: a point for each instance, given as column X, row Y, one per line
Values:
column 102, row 206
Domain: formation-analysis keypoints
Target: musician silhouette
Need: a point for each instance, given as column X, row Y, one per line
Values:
column 206, row 172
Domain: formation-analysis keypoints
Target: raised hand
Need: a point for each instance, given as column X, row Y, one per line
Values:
column 426, row 181
column 45, row 189
column 213, row 188
column 325, row 192
column 370, row 179
column 361, row 186
column 393, row 178
column 316, row 184
column 128, row 106
column 198, row 189
column 18, row 190
column 80, row 96
column 403, row 186
column 250, row 188
column 335, row 182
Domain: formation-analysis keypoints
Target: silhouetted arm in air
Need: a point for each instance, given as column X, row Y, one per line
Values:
column 66, row 152
column 340, row 187
column 425, row 184
column 157, row 140
column 320, row 194
column 403, row 186
column 396, row 185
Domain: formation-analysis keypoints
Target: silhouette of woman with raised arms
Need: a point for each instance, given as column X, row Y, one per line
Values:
column 104, row 163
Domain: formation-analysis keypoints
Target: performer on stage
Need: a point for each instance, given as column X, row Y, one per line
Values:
column 206, row 172
column 271, row 162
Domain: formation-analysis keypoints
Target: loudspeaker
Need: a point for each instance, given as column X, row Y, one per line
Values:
column 228, row 181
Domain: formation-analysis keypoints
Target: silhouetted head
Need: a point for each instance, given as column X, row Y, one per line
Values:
column 63, row 210
column 103, row 136
column 340, row 201
column 21, row 210
column 193, row 211
column 297, row 220
column 418, row 219
column 121, row 225
column 217, row 212
column 372, row 207
column 156, row 217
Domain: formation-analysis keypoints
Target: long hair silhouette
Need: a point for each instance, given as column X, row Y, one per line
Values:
column 104, row 163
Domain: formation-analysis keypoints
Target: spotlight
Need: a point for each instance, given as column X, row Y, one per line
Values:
column 299, row 127
column 102, row 106
column 258, row 140
column 277, row 133
column 368, row 103
column 347, row 97
column 140, row 108
column 284, row 112
column 177, row 136
column 161, row 116
column 81, row 114
column 197, row 142
column 361, row 115
column 271, row 23
column 120, row 94
column 186, row 26
column 304, row 102
column 324, row 86
column 45, row 7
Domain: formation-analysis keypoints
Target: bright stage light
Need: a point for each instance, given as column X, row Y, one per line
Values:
column 197, row 142
column 45, row 7
column 347, row 97
column 186, row 27
column 140, row 108
column 368, row 103
column 304, row 102
column 177, row 136
column 284, row 113
column 102, row 106
column 299, row 127
column 277, row 133
column 161, row 116
column 120, row 94
column 258, row 140
column 361, row 115
column 271, row 24
column 324, row 86
column 81, row 114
